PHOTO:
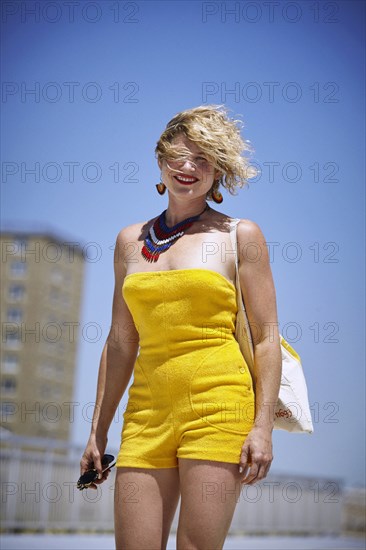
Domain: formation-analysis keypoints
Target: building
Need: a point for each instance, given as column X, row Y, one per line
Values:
column 42, row 279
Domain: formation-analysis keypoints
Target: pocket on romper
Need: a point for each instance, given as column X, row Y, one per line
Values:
column 139, row 406
column 221, row 390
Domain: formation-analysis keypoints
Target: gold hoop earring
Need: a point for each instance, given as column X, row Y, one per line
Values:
column 161, row 187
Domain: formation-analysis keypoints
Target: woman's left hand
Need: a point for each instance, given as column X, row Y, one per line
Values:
column 257, row 455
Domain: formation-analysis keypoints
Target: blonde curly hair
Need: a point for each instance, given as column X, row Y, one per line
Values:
column 218, row 136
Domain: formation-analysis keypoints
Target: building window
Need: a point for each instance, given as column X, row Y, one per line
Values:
column 56, row 275
column 8, row 386
column 54, row 295
column 14, row 315
column 16, row 292
column 12, row 339
column 18, row 268
column 49, row 425
column 66, row 300
column 51, row 370
column 67, row 278
column 46, row 370
column 49, row 391
column 57, row 349
column 61, row 347
column 20, row 245
column 8, row 411
column 10, row 363
column 59, row 370
column 50, row 347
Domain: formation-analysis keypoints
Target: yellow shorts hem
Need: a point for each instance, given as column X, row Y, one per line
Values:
column 137, row 462
column 212, row 458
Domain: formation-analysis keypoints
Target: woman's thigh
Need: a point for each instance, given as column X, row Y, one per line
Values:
column 145, row 502
column 210, row 491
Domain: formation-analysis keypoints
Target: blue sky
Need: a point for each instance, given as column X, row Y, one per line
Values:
column 105, row 90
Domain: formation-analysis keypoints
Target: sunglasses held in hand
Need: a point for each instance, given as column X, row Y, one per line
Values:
column 92, row 475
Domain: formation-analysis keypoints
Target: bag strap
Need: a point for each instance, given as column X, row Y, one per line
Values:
column 246, row 339
column 234, row 244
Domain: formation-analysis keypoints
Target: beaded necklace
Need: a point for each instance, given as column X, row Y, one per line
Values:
column 161, row 237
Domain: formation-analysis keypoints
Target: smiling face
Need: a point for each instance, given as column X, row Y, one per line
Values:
column 193, row 176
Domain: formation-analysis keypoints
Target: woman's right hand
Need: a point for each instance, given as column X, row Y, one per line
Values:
column 92, row 456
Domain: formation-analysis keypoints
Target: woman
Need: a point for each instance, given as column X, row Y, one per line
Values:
column 192, row 428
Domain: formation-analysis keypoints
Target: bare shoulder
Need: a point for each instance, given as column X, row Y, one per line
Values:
column 130, row 238
column 245, row 228
column 133, row 232
column 129, row 233
column 252, row 246
column 249, row 231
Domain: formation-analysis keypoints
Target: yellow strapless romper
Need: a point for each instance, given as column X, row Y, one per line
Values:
column 192, row 393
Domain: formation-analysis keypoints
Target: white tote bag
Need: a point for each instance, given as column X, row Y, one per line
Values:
column 292, row 412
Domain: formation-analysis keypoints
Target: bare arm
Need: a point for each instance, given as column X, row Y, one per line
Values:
column 116, row 364
column 260, row 301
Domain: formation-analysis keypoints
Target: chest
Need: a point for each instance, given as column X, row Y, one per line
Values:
column 208, row 250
